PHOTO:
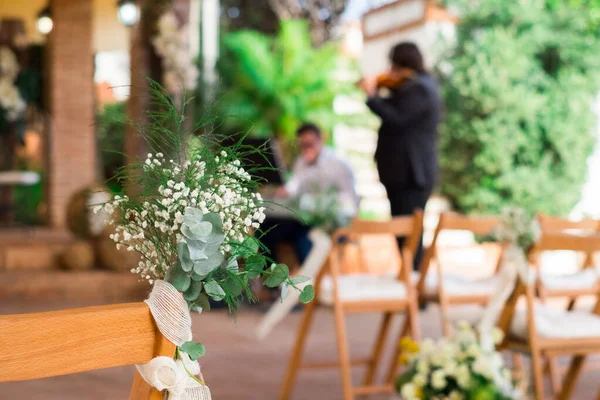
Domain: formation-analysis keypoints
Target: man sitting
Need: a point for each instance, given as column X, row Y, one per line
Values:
column 317, row 171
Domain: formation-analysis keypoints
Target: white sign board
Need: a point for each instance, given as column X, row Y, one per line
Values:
column 393, row 16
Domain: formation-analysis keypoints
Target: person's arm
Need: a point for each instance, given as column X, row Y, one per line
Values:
column 398, row 116
column 292, row 187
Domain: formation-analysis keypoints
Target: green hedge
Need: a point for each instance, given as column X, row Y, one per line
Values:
column 518, row 89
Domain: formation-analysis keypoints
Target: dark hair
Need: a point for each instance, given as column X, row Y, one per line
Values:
column 308, row 127
column 407, row 55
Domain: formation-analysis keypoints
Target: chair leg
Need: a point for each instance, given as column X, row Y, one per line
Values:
column 445, row 323
column 394, row 363
column 378, row 348
column 342, row 342
column 573, row 372
column 552, row 371
column 296, row 357
column 538, row 376
column 517, row 364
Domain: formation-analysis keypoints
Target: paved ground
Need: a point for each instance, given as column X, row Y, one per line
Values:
column 237, row 365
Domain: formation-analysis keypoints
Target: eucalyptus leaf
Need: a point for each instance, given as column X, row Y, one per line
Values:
column 202, row 229
column 202, row 302
column 215, row 221
column 193, row 349
column 192, row 215
column 183, row 253
column 189, row 234
column 276, row 276
column 205, row 267
column 193, row 291
column 197, row 309
column 214, row 290
column 308, row 293
column 177, row 277
column 255, row 265
column 296, row 280
column 232, row 265
column 197, row 249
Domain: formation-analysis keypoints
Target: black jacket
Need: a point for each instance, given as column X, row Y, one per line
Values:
column 406, row 152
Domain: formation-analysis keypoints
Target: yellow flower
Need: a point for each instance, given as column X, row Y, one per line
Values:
column 409, row 345
column 419, row 393
column 403, row 359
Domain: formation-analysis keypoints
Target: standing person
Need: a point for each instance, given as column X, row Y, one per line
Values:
column 408, row 103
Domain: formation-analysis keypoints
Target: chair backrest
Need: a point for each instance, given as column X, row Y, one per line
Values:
column 549, row 241
column 562, row 225
column 410, row 227
column 557, row 224
column 478, row 225
column 56, row 343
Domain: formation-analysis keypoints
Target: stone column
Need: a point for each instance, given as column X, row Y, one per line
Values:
column 72, row 144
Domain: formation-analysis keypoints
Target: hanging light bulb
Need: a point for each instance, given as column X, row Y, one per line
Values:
column 128, row 12
column 44, row 21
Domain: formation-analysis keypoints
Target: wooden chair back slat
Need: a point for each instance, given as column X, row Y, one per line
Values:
column 410, row 226
column 555, row 224
column 478, row 225
column 563, row 241
column 397, row 226
column 64, row 342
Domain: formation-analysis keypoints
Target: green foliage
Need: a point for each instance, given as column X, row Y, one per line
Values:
column 518, row 89
column 190, row 215
column 194, row 350
column 110, row 133
column 272, row 84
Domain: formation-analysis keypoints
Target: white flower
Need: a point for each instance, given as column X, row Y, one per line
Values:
column 409, row 392
column 438, row 379
column 463, row 376
column 420, row 380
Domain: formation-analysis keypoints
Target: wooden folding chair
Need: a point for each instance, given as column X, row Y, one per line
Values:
column 544, row 332
column 450, row 289
column 360, row 293
column 65, row 342
column 574, row 284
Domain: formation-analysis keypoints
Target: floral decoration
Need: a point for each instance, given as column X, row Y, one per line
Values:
column 453, row 369
column 172, row 44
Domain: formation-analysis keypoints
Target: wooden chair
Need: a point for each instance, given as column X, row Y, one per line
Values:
column 65, row 342
column 574, row 284
column 544, row 332
column 450, row 289
column 361, row 293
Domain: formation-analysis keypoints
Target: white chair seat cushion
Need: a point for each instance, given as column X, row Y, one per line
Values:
column 583, row 279
column 362, row 287
column 458, row 285
column 557, row 323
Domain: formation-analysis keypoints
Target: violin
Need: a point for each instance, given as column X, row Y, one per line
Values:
column 391, row 80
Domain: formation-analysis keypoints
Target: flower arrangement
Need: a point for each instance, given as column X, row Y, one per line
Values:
column 193, row 218
column 517, row 227
column 172, row 44
column 326, row 210
column 12, row 104
column 453, row 369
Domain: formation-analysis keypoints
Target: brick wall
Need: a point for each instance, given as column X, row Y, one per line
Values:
column 72, row 147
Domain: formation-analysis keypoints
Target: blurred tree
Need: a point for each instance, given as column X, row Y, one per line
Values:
column 323, row 15
column 264, row 15
column 248, row 14
column 518, row 89
column 270, row 84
